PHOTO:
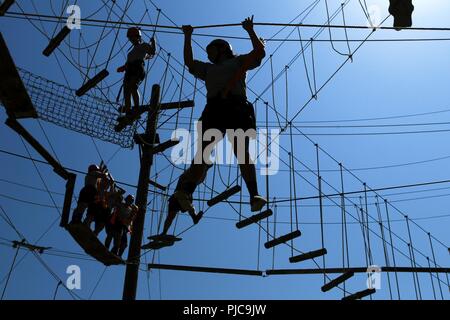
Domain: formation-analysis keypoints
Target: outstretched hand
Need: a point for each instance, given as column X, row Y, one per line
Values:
column 187, row 30
column 247, row 24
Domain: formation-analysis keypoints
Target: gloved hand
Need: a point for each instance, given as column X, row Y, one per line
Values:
column 121, row 69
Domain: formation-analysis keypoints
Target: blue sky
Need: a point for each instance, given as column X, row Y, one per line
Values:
column 386, row 79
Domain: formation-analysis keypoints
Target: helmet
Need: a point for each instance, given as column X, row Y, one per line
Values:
column 93, row 167
column 129, row 198
column 220, row 43
column 133, row 32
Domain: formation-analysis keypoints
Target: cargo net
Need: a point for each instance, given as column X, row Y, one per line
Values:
column 89, row 115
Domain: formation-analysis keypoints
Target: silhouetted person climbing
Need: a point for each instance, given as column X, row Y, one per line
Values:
column 135, row 67
column 402, row 11
column 227, row 108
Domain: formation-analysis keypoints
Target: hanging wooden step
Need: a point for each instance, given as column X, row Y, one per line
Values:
column 282, row 239
column 360, row 295
column 335, row 282
column 91, row 245
column 91, row 83
column 308, row 255
column 224, row 195
column 254, row 219
column 160, row 241
column 164, row 146
column 56, row 41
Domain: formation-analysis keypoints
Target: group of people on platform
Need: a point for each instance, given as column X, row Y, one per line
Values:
column 107, row 208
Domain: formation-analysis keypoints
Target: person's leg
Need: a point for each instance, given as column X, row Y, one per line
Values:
column 90, row 215
column 136, row 96
column 126, row 95
column 174, row 208
column 116, row 239
column 123, row 241
column 108, row 239
column 101, row 219
column 78, row 212
column 248, row 172
column 99, row 225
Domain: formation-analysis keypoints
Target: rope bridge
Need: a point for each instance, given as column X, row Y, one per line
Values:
column 88, row 114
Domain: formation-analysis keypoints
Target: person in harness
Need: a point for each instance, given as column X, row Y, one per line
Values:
column 99, row 211
column 227, row 108
column 120, row 225
column 88, row 193
column 135, row 68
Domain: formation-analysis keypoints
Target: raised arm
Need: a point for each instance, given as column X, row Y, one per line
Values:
column 258, row 51
column 188, row 55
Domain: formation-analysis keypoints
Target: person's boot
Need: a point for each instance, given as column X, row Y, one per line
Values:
column 257, row 203
column 196, row 217
column 402, row 11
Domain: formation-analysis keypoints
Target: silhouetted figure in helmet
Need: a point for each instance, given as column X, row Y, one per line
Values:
column 227, row 108
column 88, row 193
column 402, row 11
column 135, row 67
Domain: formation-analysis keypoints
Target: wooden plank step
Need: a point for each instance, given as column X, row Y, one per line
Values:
column 224, row 195
column 335, row 282
column 282, row 239
column 253, row 219
column 308, row 255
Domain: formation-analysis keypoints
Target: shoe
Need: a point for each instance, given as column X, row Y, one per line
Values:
column 184, row 201
column 196, row 218
column 257, row 203
column 402, row 11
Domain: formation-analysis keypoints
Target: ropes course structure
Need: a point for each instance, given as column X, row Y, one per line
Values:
column 369, row 234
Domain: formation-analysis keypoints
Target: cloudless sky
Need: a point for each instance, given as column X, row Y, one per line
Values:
column 385, row 79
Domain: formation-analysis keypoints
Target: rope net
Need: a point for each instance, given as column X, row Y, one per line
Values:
column 89, row 115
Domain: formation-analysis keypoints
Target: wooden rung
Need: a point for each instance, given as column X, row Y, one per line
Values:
column 164, row 146
column 91, row 245
column 30, row 246
column 308, row 255
column 282, row 239
column 224, row 195
column 92, row 82
column 5, row 6
column 360, row 295
column 177, row 105
column 335, row 282
column 253, row 219
column 56, row 41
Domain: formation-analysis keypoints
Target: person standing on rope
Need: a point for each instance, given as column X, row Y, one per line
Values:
column 88, row 193
column 135, row 67
column 227, row 108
